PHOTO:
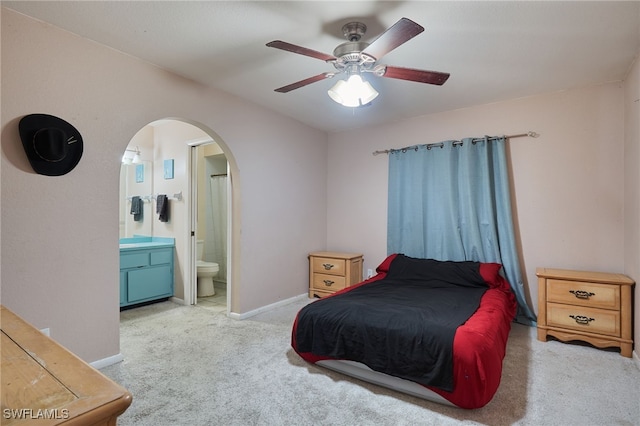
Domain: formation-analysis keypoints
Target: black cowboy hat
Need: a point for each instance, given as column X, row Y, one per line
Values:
column 53, row 146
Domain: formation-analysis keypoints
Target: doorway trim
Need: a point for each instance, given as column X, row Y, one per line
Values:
column 190, row 290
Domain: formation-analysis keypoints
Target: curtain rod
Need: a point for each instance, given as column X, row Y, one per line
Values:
column 519, row 135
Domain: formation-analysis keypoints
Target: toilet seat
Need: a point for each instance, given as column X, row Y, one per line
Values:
column 207, row 267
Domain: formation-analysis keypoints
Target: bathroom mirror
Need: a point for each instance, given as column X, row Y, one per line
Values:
column 136, row 180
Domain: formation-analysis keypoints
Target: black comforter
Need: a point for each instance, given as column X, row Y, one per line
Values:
column 402, row 325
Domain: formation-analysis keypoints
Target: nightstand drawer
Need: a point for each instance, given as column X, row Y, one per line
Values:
column 328, row 282
column 580, row 318
column 326, row 265
column 315, row 293
column 583, row 294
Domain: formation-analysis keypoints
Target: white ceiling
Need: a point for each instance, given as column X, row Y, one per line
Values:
column 493, row 50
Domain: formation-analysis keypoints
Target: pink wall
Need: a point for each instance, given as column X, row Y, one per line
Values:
column 59, row 235
column 59, row 266
column 568, row 184
column 632, row 187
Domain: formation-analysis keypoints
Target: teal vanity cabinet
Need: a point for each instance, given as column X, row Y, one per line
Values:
column 146, row 269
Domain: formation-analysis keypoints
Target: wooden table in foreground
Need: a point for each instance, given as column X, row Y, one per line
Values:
column 45, row 384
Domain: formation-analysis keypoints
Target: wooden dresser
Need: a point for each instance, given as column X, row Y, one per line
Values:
column 331, row 271
column 45, row 384
column 593, row 307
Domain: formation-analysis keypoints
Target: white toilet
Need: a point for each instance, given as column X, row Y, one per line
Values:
column 206, row 271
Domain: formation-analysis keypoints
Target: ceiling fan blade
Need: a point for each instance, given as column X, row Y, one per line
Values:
column 283, row 45
column 301, row 83
column 421, row 76
column 399, row 33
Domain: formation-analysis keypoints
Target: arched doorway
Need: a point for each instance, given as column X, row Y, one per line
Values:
column 165, row 148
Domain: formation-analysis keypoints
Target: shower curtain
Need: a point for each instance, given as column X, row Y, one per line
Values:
column 216, row 242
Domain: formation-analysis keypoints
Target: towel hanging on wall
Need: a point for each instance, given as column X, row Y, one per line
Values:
column 162, row 208
column 136, row 208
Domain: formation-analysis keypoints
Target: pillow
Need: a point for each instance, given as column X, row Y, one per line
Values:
column 490, row 272
column 386, row 264
column 459, row 273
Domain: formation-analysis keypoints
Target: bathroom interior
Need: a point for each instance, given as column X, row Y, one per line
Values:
column 160, row 159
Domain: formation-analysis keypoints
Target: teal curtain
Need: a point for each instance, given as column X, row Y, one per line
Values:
column 451, row 201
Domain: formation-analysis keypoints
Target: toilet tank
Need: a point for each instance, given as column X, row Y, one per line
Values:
column 199, row 249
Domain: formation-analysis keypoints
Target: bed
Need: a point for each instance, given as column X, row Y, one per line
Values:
column 433, row 329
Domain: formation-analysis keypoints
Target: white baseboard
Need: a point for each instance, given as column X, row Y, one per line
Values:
column 267, row 308
column 636, row 357
column 177, row 300
column 105, row 362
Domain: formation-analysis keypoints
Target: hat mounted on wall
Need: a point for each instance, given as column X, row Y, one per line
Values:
column 53, row 146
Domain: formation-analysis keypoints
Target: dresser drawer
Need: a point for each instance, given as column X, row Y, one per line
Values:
column 315, row 293
column 134, row 260
column 584, row 294
column 328, row 282
column 160, row 257
column 326, row 265
column 580, row 318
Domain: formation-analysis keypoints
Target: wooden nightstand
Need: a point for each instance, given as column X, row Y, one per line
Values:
column 330, row 271
column 593, row 307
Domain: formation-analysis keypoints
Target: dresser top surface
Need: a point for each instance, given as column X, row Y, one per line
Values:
column 334, row 254
column 590, row 276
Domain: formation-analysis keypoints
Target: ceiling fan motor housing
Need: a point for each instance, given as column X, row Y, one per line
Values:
column 349, row 54
column 350, row 51
column 353, row 31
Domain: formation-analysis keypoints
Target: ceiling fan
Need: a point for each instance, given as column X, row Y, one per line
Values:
column 356, row 57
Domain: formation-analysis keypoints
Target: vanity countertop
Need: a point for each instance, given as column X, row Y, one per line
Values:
column 145, row 242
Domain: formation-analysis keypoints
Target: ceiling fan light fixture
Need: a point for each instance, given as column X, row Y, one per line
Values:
column 353, row 92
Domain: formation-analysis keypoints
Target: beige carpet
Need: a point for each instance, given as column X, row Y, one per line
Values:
column 194, row 366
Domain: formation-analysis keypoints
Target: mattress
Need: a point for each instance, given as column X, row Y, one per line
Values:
column 478, row 343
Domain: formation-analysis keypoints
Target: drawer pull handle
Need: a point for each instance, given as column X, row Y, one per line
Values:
column 327, row 266
column 581, row 294
column 581, row 319
column 328, row 282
